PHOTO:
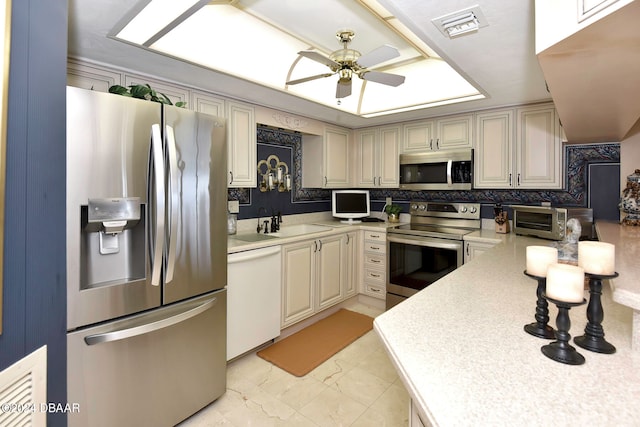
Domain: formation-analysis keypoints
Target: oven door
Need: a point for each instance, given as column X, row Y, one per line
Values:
column 416, row 262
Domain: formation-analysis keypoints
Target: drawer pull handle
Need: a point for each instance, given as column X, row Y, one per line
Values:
column 374, row 290
column 374, row 236
column 375, row 261
column 374, row 275
column 375, row 248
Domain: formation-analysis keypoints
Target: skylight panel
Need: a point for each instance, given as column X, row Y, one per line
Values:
column 152, row 19
column 226, row 39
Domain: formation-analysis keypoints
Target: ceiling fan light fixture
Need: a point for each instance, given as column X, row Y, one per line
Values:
column 345, row 74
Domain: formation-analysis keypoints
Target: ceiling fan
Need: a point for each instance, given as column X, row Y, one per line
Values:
column 346, row 62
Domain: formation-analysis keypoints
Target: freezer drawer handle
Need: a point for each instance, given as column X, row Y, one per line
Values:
column 149, row 327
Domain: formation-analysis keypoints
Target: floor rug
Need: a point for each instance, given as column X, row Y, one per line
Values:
column 303, row 351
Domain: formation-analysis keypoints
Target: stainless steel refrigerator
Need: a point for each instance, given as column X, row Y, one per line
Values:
column 146, row 260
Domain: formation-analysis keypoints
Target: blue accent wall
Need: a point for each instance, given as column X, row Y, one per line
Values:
column 34, row 312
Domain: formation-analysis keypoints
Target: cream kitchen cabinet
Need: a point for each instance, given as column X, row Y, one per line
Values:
column 91, row 77
column 518, row 148
column 493, row 154
column 473, row 248
column 315, row 274
column 377, row 151
column 447, row 133
column 298, row 281
column 174, row 92
column 325, row 159
column 204, row 103
column 241, row 134
column 351, row 267
column 374, row 265
column 538, row 148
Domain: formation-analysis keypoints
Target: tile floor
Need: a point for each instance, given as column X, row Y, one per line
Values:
column 356, row 387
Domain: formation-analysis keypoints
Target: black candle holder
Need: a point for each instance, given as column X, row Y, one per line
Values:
column 540, row 328
column 560, row 350
column 593, row 338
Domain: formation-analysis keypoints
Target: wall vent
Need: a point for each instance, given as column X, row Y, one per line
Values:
column 23, row 389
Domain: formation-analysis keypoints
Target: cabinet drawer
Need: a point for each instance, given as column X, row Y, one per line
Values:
column 375, row 236
column 374, row 276
column 374, row 261
column 375, row 291
column 376, row 248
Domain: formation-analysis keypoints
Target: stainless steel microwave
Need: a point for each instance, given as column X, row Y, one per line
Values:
column 437, row 170
column 540, row 221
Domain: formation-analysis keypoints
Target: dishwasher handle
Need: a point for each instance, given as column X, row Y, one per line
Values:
column 149, row 327
column 252, row 254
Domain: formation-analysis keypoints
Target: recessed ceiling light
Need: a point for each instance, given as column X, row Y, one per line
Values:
column 461, row 22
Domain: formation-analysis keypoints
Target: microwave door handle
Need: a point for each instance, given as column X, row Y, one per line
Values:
column 156, row 184
column 449, row 165
column 172, row 202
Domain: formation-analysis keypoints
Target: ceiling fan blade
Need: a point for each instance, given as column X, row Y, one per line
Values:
column 384, row 78
column 307, row 79
column 318, row 57
column 378, row 55
column 343, row 89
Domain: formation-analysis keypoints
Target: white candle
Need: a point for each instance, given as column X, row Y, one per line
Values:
column 539, row 258
column 565, row 282
column 597, row 257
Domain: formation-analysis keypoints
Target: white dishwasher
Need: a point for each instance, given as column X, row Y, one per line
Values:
column 253, row 299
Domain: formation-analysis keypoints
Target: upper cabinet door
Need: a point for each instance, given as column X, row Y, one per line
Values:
column 448, row 133
column 366, row 158
column 377, row 155
column 455, row 132
column 419, row 136
column 538, row 148
column 388, row 157
column 336, row 156
column 203, row 103
column 325, row 159
column 493, row 152
column 518, row 148
column 241, row 137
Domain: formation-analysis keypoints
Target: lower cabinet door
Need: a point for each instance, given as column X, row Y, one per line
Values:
column 298, row 281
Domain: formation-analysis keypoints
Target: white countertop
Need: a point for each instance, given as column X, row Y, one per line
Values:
column 461, row 351
column 234, row 244
column 626, row 287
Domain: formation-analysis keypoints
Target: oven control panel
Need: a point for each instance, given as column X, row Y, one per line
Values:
column 445, row 209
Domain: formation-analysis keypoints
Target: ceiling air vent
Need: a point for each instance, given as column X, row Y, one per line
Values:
column 459, row 23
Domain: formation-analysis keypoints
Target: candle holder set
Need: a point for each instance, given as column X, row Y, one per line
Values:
column 275, row 175
column 563, row 285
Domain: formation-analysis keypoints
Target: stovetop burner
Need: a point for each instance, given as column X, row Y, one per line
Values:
column 443, row 220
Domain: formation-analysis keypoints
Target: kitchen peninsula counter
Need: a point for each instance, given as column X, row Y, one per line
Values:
column 461, row 351
column 626, row 287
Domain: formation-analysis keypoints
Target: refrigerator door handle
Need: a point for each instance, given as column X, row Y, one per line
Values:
column 172, row 202
column 156, row 182
column 149, row 327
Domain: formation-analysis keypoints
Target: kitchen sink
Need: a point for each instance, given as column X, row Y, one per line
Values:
column 254, row 237
column 288, row 231
column 299, row 229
